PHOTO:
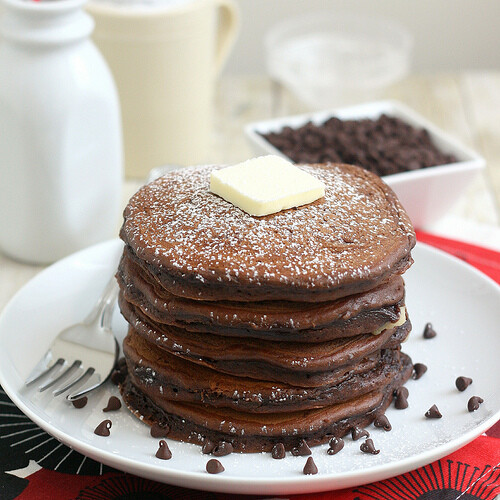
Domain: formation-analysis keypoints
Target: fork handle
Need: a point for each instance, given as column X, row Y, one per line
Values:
column 103, row 308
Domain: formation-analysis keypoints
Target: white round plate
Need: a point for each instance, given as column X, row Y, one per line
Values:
column 461, row 303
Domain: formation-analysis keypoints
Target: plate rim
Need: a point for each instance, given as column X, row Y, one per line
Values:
column 238, row 484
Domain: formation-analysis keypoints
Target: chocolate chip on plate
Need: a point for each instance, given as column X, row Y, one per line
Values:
column 382, row 421
column 80, row 402
column 310, row 467
column 358, row 433
column 433, row 412
column 207, row 446
column 462, row 383
column 429, row 331
column 163, row 452
column 418, row 370
column 336, row 444
column 103, row 428
column 302, row 449
column 401, row 398
column 222, row 449
column 114, row 404
column 369, row 447
column 214, row 466
column 278, row 451
column 474, row 403
column 159, row 430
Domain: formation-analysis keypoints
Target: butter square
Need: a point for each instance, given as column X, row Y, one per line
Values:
column 266, row 185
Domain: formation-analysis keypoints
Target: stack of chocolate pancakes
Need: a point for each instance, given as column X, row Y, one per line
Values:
column 264, row 330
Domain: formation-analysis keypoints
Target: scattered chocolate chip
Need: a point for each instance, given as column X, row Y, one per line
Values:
column 120, row 372
column 474, row 403
column 222, row 449
column 369, row 447
column 114, row 404
column 310, row 467
column 214, row 466
column 429, row 332
column 401, row 398
column 418, row 370
column 117, row 377
column 207, row 447
column 358, row 433
column 163, row 452
column 159, row 431
column 80, row 402
column 301, row 450
column 336, row 444
column 103, row 428
column 278, row 451
column 401, row 391
column 433, row 412
column 462, row 383
column 383, row 422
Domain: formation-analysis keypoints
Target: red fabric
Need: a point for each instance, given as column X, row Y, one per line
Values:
column 484, row 259
column 474, row 469
column 473, row 472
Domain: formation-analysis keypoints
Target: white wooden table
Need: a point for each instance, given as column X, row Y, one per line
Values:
column 467, row 106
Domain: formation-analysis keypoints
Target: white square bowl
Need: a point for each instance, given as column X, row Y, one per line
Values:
column 428, row 193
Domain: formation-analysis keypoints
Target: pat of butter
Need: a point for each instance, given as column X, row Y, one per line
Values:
column 266, row 185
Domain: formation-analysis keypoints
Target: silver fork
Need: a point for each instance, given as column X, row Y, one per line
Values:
column 83, row 355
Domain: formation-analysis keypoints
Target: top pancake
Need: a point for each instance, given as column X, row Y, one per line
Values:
column 200, row 246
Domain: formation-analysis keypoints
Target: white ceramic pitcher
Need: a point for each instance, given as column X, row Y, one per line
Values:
column 165, row 57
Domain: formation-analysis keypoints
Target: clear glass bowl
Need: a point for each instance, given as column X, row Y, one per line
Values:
column 329, row 58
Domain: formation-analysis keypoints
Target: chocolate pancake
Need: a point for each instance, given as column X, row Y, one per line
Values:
column 259, row 330
column 298, row 363
column 199, row 246
column 164, row 376
column 255, row 432
column 271, row 320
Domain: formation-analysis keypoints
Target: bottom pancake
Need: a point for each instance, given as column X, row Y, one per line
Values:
column 256, row 432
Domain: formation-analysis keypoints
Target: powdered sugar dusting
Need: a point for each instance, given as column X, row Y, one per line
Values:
column 175, row 223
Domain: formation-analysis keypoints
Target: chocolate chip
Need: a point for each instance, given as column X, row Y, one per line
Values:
column 418, row 370
column 163, row 452
column 336, row 444
column 103, row 428
column 474, row 403
column 207, row 446
column 429, row 332
column 401, row 402
column 120, row 372
column 433, row 412
column 117, row 377
column 214, row 466
column 114, row 404
column 358, row 433
column 383, row 422
column 401, row 394
column 222, row 449
column 159, row 430
column 278, row 451
column 402, row 391
column 301, row 450
column 462, row 383
column 310, row 467
column 369, row 447
column 80, row 402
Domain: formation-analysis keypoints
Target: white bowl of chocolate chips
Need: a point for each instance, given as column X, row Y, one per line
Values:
column 428, row 169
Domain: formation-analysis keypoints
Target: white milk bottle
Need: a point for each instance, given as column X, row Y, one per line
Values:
column 60, row 133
